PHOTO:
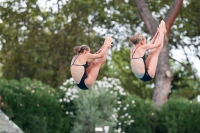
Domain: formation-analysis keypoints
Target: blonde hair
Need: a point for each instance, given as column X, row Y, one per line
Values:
column 135, row 39
column 80, row 49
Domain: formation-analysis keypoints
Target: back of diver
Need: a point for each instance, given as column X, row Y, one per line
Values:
column 81, row 85
column 146, row 77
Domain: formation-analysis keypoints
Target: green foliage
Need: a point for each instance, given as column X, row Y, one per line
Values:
column 188, row 21
column 175, row 116
column 136, row 115
column 33, row 106
column 179, row 116
column 39, row 44
column 184, row 85
column 95, row 107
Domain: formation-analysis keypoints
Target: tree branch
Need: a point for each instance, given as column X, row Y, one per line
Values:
column 173, row 13
column 146, row 16
column 189, row 69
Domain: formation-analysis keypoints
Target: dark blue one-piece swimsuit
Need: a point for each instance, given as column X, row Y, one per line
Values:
column 146, row 76
column 82, row 85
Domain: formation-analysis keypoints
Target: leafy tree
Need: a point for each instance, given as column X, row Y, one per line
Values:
column 186, row 32
column 39, row 44
column 183, row 84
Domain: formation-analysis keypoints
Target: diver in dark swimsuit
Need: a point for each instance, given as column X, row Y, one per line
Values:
column 145, row 69
column 146, row 76
column 85, row 78
column 82, row 85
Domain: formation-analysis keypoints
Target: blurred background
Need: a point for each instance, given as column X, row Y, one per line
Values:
column 36, row 47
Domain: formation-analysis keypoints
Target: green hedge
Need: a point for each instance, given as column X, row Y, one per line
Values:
column 136, row 115
column 38, row 108
column 179, row 116
column 175, row 116
column 33, row 106
column 133, row 114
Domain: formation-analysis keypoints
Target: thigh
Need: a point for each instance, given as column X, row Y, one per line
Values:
column 148, row 59
column 151, row 63
column 92, row 73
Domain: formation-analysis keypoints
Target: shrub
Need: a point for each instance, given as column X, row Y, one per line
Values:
column 129, row 113
column 136, row 115
column 94, row 107
column 179, row 116
column 33, row 106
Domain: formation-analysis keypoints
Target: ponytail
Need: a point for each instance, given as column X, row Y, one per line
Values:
column 77, row 49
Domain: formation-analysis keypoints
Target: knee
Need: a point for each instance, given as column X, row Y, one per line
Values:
column 151, row 73
column 156, row 53
column 89, row 84
column 95, row 63
column 103, row 60
column 98, row 63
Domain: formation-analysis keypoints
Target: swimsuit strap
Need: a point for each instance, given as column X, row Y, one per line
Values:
column 85, row 65
column 74, row 61
column 134, row 53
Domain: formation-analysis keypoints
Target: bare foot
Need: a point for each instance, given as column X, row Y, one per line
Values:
column 108, row 42
column 163, row 26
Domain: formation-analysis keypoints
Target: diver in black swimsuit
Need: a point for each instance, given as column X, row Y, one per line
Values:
column 146, row 76
column 145, row 69
column 85, row 66
column 82, row 85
